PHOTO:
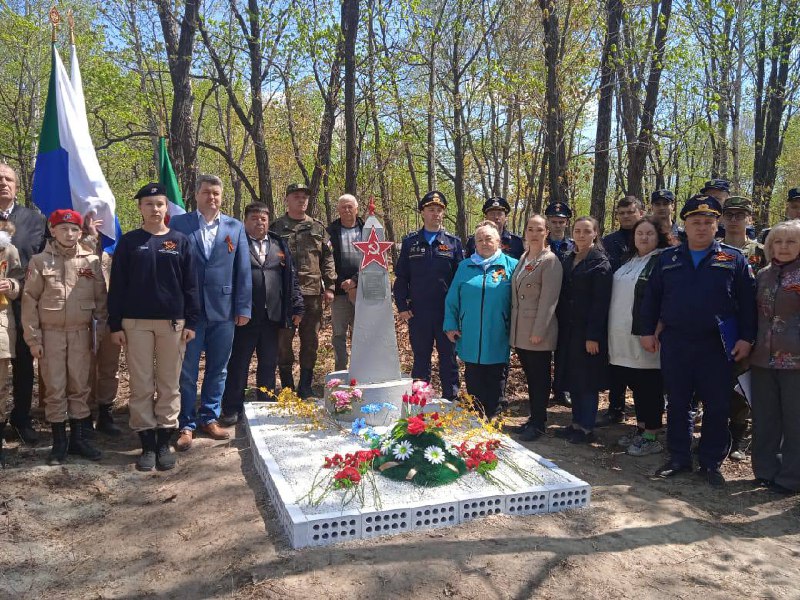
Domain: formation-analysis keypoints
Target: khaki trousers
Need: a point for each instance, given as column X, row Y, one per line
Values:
column 5, row 396
column 343, row 314
column 155, row 355
column 104, row 379
column 65, row 370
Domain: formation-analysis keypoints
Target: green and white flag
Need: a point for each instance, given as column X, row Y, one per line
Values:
column 166, row 177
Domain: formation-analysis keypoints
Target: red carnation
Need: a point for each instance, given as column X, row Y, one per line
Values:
column 353, row 382
column 471, row 463
column 423, row 401
column 415, row 425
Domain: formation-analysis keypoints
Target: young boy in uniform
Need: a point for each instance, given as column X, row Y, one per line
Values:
column 10, row 285
column 64, row 291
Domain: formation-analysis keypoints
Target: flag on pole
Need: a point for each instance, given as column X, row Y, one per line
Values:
column 167, row 178
column 67, row 173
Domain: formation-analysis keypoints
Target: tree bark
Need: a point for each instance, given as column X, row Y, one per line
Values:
column 350, row 11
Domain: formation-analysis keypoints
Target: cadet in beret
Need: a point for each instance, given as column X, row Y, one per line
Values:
column 425, row 268
column 737, row 215
column 792, row 210
column 558, row 215
column 496, row 209
column 700, row 293
column 662, row 207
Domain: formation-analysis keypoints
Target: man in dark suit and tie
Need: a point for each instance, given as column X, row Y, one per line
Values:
column 223, row 269
column 277, row 304
column 28, row 240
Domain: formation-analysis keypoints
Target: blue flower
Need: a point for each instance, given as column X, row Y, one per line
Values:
column 371, row 409
column 389, row 406
column 358, row 425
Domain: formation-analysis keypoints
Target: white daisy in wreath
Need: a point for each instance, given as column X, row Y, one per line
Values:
column 403, row 450
column 386, row 446
column 434, row 455
column 451, row 449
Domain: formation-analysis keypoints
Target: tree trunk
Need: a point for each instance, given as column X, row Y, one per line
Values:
column 179, row 42
column 602, row 157
column 349, row 32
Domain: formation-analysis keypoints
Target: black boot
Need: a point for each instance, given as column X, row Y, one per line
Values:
column 165, row 460
column 306, row 377
column 58, row 453
column 88, row 428
column 105, row 421
column 737, row 441
column 147, row 461
column 287, row 379
column 78, row 442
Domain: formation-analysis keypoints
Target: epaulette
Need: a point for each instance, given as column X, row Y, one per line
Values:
column 727, row 247
column 411, row 234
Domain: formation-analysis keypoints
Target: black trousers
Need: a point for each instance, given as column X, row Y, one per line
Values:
column 22, row 379
column 536, row 366
column 648, row 394
column 616, row 390
column 485, row 382
column 262, row 338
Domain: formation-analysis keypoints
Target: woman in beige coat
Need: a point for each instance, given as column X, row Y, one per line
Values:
column 535, row 288
column 11, row 275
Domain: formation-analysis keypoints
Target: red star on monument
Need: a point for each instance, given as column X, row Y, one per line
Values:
column 374, row 250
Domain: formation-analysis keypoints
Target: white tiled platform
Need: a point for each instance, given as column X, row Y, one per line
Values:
column 287, row 458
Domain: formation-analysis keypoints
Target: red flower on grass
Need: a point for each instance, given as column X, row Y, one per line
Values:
column 416, row 425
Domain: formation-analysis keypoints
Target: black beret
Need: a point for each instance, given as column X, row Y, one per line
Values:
column 151, row 189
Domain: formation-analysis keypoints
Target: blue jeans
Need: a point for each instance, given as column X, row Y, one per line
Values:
column 584, row 409
column 216, row 339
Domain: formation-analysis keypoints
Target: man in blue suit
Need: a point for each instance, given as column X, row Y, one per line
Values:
column 223, row 271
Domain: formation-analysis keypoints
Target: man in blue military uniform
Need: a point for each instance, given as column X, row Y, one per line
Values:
column 662, row 207
column 558, row 215
column 496, row 209
column 701, row 296
column 425, row 268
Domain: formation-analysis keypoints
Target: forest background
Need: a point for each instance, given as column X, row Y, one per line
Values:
column 533, row 100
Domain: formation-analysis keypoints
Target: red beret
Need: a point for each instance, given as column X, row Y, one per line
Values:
column 64, row 215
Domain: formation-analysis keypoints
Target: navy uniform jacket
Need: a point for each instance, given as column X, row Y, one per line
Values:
column 511, row 244
column 617, row 244
column 424, row 272
column 561, row 247
column 688, row 300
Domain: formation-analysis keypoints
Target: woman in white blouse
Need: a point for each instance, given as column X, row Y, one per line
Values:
column 642, row 369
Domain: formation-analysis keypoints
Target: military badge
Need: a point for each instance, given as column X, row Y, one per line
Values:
column 443, row 247
column 230, row 243
column 724, row 257
column 795, row 287
column 86, row 272
column 169, row 245
column 499, row 275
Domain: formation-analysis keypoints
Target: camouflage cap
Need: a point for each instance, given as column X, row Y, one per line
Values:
column 738, row 203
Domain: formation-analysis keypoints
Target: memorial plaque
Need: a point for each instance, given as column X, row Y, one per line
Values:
column 372, row 284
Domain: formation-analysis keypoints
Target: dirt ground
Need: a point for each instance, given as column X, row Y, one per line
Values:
column 207, row 530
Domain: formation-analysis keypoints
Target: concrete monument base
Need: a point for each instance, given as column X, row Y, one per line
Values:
column 386, row 391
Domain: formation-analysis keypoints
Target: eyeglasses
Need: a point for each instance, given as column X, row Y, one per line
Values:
column 735, row 216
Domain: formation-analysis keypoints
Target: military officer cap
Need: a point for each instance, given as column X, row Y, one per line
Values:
column 497, row 202
column 738, row 203
column 433, row 197
column 151, row 189
column 716, row 184
column 558, row 209
column 660, row 195
column 297, row 187
column 700, row 204
column 794, row 194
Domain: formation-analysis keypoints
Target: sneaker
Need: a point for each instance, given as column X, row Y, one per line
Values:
column 630, row 438
column 670, row 469
column 643, row 447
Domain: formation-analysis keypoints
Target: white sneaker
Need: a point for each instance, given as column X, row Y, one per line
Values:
column 644, row 447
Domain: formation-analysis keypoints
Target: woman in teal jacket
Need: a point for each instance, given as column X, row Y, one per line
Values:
column 477, row 316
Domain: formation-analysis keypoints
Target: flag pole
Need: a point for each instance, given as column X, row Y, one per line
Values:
column 55, row 21
column 71, row 23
